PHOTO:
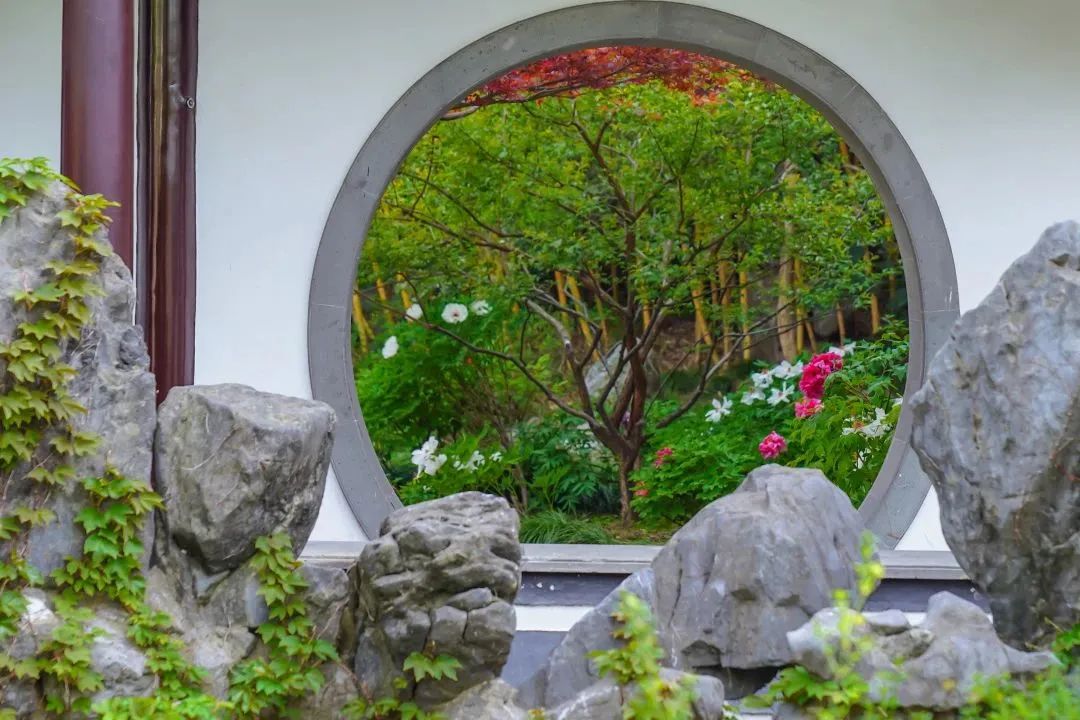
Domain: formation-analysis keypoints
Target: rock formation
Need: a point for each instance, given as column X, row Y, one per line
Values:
column 934, row 666
column 112, row 380
column 997, row 429
column 729, row 585
column 441, row 578
column 234, row 464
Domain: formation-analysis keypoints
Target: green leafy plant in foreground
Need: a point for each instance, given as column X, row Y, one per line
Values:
column 421, row 666
column 292, row 667
column 637, row 663
column 846, row 696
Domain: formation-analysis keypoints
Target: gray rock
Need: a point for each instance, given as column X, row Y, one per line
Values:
column 490, row 700
column 598, row 374
column 440, row 579
column 34, row 628
column 934, row 666
column 122, row 665
column 729, row 585
column 997, row 429
column 604, row 700
column 234, row 464
column 338, row 690
column 112, row 380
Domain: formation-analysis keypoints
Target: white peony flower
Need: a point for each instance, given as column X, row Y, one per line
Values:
column 414, row 312
column 762, row 379
column 787, row 371
column 753, row 396
column 782, row 395
column 455, row 313
column 843, row 350
column 495, row 456
column 876, row 427
column 720, row 410
column 425, row 459
column 390, row 347
column 480, row 307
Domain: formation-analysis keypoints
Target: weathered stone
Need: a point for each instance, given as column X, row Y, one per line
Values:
column 338, row 690
column 729, row 585
column 234, row 464
column 491, row 700
column 111, row 379
column 604, row 700
column 598, row 374
column 121, row 665
column 997, row 429
column 934, row 666
column 217, row 650
column 441, row 579
column 33, row 630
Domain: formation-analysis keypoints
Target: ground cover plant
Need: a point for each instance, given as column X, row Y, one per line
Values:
column 576, row 281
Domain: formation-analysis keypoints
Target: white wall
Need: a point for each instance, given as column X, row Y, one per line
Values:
column 985, row 92
column 30, row 79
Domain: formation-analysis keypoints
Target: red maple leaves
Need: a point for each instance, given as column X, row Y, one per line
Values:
column 701, row 77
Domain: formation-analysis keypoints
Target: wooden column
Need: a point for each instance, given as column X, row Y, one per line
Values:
column 167, row 82
column 97, row 106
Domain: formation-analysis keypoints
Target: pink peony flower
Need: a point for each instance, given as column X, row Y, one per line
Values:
column 807, row 406
column 661, row 455
column 773, row 444
column 816, row 371
column 641, row 491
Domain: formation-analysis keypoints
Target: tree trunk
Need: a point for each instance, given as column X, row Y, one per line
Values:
column 785, row 314
column 626, row 512
column 744, row 301
column 384, row 294
column 841, row 325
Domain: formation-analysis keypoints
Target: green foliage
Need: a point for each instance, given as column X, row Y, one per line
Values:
column 420, row 666
column 39, row 445
column 555, row 526
column 582, row 221
column 710, row 459
column 637, row 663
column 847, row 696
column 291, row 668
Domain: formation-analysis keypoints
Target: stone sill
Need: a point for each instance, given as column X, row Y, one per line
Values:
column 626, row 559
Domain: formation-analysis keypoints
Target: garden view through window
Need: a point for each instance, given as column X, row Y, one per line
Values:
column 609, row 284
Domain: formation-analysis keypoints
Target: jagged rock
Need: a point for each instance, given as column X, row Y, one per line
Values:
column 598, row 374
column 491, row 700
column 122, row 666
column 729, row 585
column 604, row 699
column 934, row 666
column 234, row 464
column 997, row 429
column 34, row 628
column 441, row 578
column 111, row 380
column 338, row 690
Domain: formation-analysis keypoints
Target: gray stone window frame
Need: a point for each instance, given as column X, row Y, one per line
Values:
column 930, row 273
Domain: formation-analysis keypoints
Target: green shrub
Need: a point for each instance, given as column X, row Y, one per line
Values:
column 555, row 526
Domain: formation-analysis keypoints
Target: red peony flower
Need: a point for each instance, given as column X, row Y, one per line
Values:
column 641, row 491
column 812, row 382
column 661, row 455
column 773, row 444
column 807, row 406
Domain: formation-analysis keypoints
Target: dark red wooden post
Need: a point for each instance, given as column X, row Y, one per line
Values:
column 97, row 101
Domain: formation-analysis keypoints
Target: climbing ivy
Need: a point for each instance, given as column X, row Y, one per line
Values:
column 420, row 665
column 637, row 662
column 39, row 447
column 291, row 669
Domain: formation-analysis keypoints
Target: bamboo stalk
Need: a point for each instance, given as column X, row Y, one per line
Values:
column 383, row 293
column 744, row 302
column 575, row 292
column 725, row 307
column 800, row 314
column 841, row 325
column 361, row 324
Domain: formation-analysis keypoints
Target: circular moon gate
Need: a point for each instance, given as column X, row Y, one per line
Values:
column 930, row 274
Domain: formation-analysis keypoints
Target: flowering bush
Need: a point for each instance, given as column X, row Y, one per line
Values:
column 772, row 446
column 845, row 433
